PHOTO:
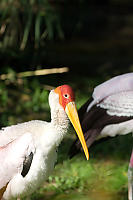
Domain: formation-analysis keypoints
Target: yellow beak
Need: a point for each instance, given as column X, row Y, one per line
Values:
column 73, row 116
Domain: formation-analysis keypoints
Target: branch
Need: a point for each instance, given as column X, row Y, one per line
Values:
column 35, row 73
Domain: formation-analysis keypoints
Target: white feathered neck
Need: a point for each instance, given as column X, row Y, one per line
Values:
column 51, row 133
column 59, row 119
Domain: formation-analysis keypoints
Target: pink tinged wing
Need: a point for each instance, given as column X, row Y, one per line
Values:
column 130, row 178
column 131, row 161
column 12, row 157
column 115, row 85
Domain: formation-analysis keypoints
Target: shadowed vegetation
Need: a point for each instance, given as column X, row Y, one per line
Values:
column 28, row 22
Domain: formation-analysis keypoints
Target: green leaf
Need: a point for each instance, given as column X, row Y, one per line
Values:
column 37, row 29
column 26, row 31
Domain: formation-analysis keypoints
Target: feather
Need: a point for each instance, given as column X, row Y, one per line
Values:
column 97, row 123
column 109, row 112
column 2, row 190
column 115, row 85
column 120, row 104
column 17, row 151
column 10, row 133
column 26, row 164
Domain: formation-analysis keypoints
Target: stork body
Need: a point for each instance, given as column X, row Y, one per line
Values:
column 44, row 155
column 108, row 113
column 28, row 150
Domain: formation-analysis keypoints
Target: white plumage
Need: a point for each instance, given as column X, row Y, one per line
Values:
column 24, row 146
column 45, row 152
column 43, row 160
column 41, row 139
column 113, row 130
column 113, row 86
column 120, row 104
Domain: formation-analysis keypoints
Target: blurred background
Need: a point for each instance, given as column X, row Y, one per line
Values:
column 93, row 40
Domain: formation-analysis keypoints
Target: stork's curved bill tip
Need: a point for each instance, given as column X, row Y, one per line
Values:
column 73, row 116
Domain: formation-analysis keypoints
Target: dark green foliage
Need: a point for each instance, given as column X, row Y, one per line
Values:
column 28, row 22
column 22, row 97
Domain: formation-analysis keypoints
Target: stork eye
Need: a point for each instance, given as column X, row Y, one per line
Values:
column 66, row 96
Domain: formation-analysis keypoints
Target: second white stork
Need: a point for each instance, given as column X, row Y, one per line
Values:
column 28, row 150
column 108, row 113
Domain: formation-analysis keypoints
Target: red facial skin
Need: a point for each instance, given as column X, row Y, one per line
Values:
column 66, row 95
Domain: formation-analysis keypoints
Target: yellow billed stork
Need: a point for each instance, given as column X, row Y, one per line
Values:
column 108, row 113
column 28, row 150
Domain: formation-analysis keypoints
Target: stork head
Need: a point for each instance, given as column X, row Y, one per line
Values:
column 67, row 101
